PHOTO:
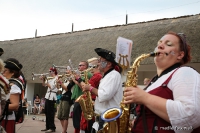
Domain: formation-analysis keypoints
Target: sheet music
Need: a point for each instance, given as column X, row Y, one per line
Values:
column 123, row 51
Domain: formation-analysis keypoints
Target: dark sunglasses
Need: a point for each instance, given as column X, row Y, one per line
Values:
column 93, row 66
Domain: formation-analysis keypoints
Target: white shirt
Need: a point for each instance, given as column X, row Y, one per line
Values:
column 51, row 93
column 14, row 90
column 184, row 110
column 110, row 92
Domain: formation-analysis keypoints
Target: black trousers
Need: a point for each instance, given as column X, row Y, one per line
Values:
column 50, row 114
column 77, row 115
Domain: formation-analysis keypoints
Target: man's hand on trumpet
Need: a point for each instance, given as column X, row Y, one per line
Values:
column 41, row 77
column 59, row 81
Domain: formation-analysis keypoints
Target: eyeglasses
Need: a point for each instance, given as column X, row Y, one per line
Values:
column 92, row 66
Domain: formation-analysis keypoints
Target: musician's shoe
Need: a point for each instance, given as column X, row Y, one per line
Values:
column 44, row 130
column 50, row 131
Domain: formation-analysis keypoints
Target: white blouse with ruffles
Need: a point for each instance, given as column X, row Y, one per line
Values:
column 184, row 110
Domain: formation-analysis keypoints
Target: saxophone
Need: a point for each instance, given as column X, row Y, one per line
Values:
column 117, row 119
column 85, row 100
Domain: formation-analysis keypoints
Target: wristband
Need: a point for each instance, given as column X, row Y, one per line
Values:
column 79, row 80
column 91, row 88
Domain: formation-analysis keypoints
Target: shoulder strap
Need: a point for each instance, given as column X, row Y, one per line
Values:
column 169, row 78
column 17, row 82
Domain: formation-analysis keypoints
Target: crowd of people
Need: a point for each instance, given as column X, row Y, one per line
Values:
column 169, row 102
column 11, row 70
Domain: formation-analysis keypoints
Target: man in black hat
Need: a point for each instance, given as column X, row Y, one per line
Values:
column 109, row 93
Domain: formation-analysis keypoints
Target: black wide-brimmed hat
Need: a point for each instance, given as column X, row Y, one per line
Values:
column 1, row 51
column 106, row 54
column 13, row 64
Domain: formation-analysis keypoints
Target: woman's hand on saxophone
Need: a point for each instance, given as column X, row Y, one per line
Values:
column 135, row 95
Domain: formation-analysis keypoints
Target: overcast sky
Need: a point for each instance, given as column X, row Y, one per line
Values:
column 20, row 18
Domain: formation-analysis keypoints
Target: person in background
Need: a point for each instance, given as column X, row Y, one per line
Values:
column 42, row 104
column 50, row 100
column 170, row 103
column 1, row 51
column 12, row 70
column 65, row 103
column 77, row 91
column 25, row 105
column 59, row 95
column 36, row 105
column 4, row 89
column 110, row 92
column 146, row 81
column 94, row 81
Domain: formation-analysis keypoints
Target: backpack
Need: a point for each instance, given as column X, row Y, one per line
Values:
column 19, row 114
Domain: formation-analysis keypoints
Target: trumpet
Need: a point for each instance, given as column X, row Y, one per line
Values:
column 65, row 77
column 44, row 75
column 62, row 67
column 74, row 70
column 38, row 75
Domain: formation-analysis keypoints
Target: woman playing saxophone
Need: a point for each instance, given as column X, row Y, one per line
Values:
column 170, row 102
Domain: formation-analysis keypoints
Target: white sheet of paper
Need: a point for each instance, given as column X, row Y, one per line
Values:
column 124, row 47
column 82, row 131
column 95, row 126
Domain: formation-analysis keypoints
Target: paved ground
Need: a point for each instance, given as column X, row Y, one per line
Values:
column 34, row 126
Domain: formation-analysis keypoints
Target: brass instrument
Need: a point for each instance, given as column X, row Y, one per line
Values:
column 39, row 75
column 85, row 100
column 73, row 69
column 43, row 75
column 65, row 77
column 63, row 68
column 117, row 120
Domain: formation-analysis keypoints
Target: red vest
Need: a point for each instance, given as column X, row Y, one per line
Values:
column 155, row 124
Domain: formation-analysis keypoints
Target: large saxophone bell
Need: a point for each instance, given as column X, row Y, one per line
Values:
column 110, row 116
